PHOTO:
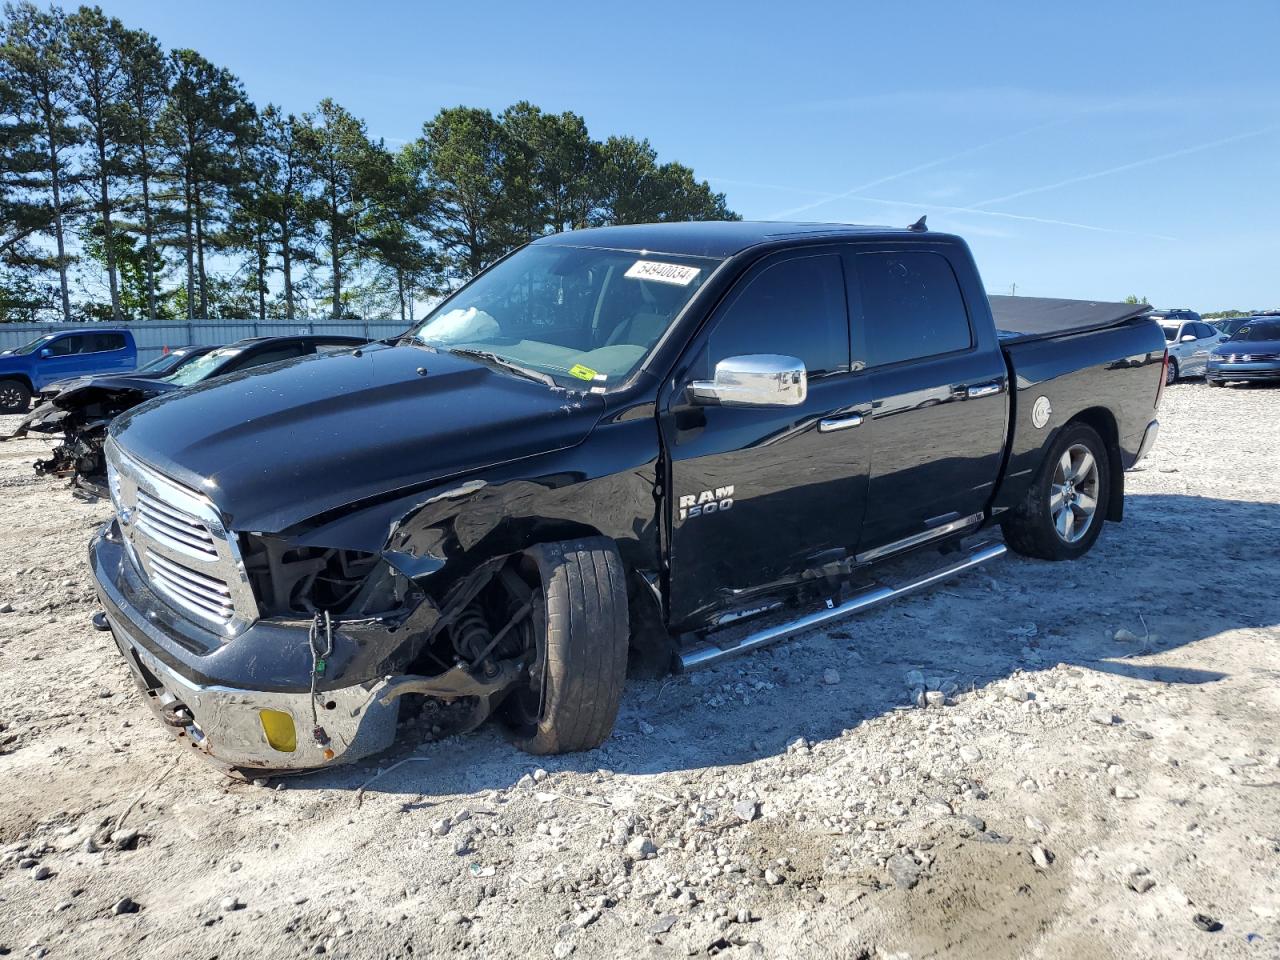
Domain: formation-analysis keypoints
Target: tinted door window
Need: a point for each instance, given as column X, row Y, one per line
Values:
column 912, row 307
column 66, row 346
column 795, row 308
column 102, row 342
column 1204, row 330
column 268, row 355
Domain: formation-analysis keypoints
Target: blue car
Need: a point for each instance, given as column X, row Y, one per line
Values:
column 1252, row 353
column 28, row 369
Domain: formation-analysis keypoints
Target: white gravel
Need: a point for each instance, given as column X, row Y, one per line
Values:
column 796, row 803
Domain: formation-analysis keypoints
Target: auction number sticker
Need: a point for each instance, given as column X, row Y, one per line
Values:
column 673, row 273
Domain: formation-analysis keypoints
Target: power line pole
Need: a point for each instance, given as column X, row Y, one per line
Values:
column 1013, row 289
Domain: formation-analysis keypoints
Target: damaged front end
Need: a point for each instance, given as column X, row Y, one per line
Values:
column 77, row 419
column 266, row 654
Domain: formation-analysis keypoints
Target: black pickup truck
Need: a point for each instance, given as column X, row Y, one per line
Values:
column 656, row 445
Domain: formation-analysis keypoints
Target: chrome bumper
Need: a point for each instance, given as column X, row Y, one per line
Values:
column 225, row 723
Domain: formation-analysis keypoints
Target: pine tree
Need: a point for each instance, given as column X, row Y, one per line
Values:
column 206, row 114
column 97, row 91
column 145, row 91
column 33, row 66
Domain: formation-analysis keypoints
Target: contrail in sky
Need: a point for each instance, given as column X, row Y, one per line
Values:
column 787, row 214
column 1013, row 216
column 1128, row 166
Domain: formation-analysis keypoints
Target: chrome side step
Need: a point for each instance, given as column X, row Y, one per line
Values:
column 873, row 597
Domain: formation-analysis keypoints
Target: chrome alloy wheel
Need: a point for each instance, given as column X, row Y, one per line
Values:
column 1073, row 495
column 10, row 396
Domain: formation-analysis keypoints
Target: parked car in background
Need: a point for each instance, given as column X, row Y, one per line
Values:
column 1252, row 353
column 1190, row 344
column 26, row 370
column 1229, row 327
column 161, row 366
column 80, row 413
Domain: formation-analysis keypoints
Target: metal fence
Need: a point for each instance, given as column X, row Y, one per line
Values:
column 153, row 337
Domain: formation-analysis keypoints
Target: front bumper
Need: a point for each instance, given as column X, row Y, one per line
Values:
column 1240, row 370
column 225, row 723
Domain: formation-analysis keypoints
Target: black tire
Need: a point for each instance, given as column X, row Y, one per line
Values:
column 1171, row 375
column 15, row 396
column 581, row 632
column 1214, row 383
column 1031, row 529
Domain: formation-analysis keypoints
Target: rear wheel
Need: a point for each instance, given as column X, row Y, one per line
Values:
column 15, row 396
column 580, row 635
column 1171, row 374
column 1063, row 513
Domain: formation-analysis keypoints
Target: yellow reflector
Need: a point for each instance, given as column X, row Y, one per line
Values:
column 278, row 726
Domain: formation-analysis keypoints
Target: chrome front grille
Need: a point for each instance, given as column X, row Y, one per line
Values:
column 174, row 527
column 177, row 542
column 1250, row 357
column 197, row 592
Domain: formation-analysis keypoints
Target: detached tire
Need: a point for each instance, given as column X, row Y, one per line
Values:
column 1064, row 510
column 581, row 632
column 15, row 397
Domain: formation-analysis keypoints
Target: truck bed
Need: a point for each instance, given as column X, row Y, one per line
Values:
column 1023, row 319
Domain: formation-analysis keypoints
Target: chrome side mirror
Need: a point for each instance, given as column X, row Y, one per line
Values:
column 1188, row 338
column 759, row 380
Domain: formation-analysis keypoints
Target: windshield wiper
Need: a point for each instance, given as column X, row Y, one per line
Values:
column 485, row 356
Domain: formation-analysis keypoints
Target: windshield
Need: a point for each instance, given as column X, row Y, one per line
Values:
column 1258, row 330
column 202, row 367
column 577, row 314
column 33, row 345
column 166, row 361
column 1170, row 334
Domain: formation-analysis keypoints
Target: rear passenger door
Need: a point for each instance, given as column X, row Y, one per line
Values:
column 939, row 389
column 110, row 353
column 759, row 496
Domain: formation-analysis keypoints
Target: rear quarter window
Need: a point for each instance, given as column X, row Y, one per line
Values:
column 911, row 306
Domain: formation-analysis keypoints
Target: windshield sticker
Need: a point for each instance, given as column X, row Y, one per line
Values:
column 673, row 273
column 584, row 373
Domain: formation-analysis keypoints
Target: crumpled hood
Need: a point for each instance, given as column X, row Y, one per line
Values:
column 282, row 444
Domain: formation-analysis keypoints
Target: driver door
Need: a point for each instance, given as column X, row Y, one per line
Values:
column 759, row 496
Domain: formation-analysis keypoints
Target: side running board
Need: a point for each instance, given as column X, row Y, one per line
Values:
column 708, row 654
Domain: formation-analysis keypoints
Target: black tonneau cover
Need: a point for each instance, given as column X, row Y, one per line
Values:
column 1019, row 319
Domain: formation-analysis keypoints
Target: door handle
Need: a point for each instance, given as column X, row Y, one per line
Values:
column 984, row 390
column 832, row 424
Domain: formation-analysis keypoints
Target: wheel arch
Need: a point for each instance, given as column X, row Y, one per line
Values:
column 21, row 378
column 1103, row 421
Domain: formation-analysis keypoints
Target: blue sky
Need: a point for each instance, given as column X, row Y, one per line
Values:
column 1093, row 151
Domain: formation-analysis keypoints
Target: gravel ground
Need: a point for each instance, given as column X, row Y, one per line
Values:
column 1101, row 778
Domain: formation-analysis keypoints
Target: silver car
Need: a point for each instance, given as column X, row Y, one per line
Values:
column 1190, row 344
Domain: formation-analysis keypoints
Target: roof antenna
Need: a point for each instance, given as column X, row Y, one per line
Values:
column 918, row 226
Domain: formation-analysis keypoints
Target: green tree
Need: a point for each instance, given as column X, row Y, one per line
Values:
column 97, row 91
column 463, row 161
column 23, row 214
column 633, row 188
column 551, row 169
column 349, row 171
column 285, row 193
column 206, row 114
column 1134, row 298
column 146, row 73
column 398, row 231
column 33, row 67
